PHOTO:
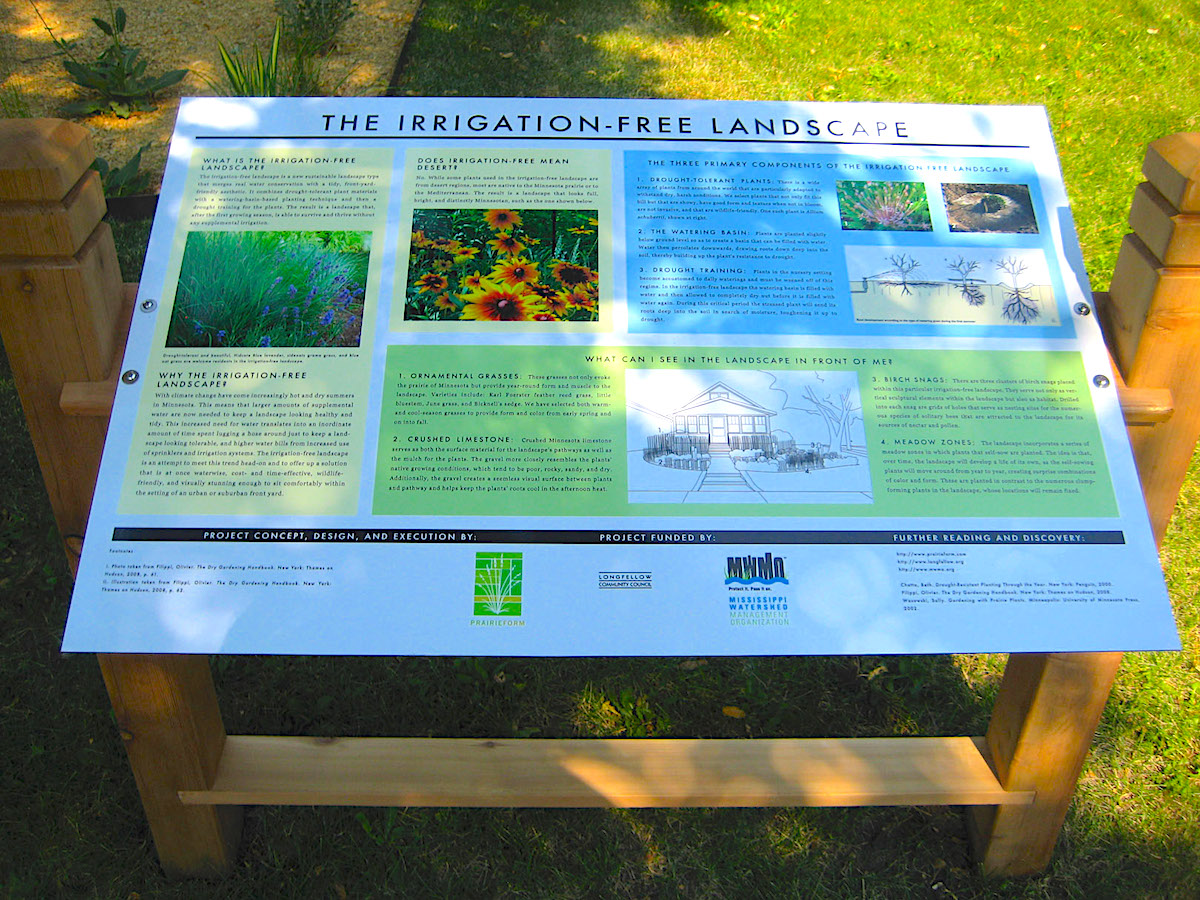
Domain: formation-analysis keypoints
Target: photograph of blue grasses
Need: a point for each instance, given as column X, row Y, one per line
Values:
column 271, row 289
column 883, row 206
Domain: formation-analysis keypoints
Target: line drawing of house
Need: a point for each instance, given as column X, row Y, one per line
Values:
column 721, row 445
column 729, row 420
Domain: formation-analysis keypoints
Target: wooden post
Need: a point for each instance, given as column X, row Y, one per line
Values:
column 61, row 310
column 1050, row 703
column 1153, row 314
column 170, row 722
column 60, row 300
column 1041, row 728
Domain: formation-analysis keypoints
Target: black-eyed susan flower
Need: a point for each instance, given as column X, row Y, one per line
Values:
column 502, row 219
column 554, row 302
column 505, row 243
column 514, row 271
column 432, row 283
column 570, row 274
column 500, row 305
column 541, row 290
column 582, row 299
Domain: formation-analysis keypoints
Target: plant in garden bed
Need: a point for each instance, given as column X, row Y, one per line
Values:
column 268, row 76
column 117, row 74
column 315, row 24
column 503, row 265
column 13, row 105
column 124, row 180
column 271, row 289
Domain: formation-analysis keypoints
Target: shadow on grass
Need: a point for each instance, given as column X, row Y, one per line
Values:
column 540, row 48
column 492, row 697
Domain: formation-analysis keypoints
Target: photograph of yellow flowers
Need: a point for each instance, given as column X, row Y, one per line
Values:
column 271, row 289
column 503, row 265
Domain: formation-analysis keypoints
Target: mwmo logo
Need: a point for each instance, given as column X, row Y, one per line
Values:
column 765, row 569
column 497, row 584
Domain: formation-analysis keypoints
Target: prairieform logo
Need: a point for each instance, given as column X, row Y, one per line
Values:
column 497, row 584
column 765, row 569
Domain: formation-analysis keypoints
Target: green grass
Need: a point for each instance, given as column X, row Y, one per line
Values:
column 1112, row 78
column 70, row 822
column 270, row 289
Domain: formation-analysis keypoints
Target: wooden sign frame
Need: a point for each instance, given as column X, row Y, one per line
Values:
column 63, row 311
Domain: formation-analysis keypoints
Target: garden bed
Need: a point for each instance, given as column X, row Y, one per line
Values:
column 176, row 34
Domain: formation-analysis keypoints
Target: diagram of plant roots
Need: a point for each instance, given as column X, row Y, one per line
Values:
column 714, row 436
column 981, row 286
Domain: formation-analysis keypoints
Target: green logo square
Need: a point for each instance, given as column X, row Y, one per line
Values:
column 497, row 584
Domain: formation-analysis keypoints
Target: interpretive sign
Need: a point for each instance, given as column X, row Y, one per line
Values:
column 567, row 377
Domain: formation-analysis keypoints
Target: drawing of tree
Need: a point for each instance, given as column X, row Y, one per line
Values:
column 966, row 282
column 903, row 265
column 1019, row 304
column 838, row 411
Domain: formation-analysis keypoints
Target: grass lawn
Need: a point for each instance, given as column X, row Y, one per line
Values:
column 1113, row 76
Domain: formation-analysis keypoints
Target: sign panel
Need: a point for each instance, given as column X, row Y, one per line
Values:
column 574, row 377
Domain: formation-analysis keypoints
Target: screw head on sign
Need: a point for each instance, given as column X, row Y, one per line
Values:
column 1082, row 309
column 1101, row 381
column 129, row 376
column 149, row 305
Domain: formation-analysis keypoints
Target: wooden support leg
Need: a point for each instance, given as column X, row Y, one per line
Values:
column 1050, row 704
column 61, row 311
column 1043, row 723
column 167, row 711
column 60, row 300
column 1153, row 314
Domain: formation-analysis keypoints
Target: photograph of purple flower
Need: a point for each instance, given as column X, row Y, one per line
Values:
column 883, row 206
